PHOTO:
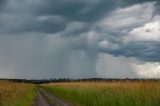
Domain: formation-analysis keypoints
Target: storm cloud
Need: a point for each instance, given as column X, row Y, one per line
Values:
column 75, row 39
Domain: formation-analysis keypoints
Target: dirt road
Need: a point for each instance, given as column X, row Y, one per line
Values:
column 44, row 98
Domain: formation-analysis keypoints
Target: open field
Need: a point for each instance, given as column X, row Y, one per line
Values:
column 16, row 94
column 119, row 93
column 81, row 93
column 24, row 94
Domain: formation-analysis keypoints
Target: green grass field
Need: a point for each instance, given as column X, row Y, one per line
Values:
column 16, row 94
column 108, row 93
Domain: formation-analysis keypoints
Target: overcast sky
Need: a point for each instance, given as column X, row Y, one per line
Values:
column 79, row 39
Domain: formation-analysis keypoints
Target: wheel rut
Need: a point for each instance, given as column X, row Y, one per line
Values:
column 44, row 98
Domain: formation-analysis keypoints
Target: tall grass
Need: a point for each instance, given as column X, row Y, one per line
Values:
column 16, row 94
column 108, row 93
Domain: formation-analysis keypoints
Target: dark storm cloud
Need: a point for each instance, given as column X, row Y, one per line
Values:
column 86, row 11
column 82, row 11
column 146, row 51
column 2, row 3
column 57, row 37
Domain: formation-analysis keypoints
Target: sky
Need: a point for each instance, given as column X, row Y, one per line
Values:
column 79, row 39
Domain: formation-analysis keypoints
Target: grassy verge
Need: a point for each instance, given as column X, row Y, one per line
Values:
column 16, row 94
column 108, row 94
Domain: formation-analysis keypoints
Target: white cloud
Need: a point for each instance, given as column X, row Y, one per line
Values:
column 128, row 17
column 106, row 45
column 147, row 70
column 149, row 32
column 92, row 37
column 103, row 44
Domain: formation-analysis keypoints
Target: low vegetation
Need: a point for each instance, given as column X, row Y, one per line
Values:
column 118, row 93
column 16, row 94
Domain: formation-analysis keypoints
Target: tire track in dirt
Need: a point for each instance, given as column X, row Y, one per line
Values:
column 45, row 98
column 40, row 100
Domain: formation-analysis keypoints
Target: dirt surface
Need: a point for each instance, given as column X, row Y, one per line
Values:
column 44, row 98
column 41, row 100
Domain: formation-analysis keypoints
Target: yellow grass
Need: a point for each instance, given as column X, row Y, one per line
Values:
column 119, row 85
column 120, row 93
column 16, row 94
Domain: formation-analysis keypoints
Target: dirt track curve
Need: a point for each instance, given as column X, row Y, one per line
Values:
column 44, row 98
